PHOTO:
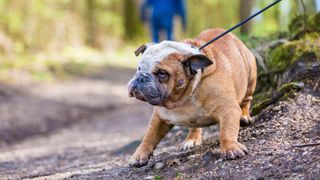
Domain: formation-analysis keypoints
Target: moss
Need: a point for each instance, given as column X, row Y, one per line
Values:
column 280, row 60
column 293, row 86
column 284, row 92
column 314, row 22
column 286, row 54
column 296, row 25
column 257, row 108
column 260, row 96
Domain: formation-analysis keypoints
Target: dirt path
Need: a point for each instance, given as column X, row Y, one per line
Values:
column 86, row 128
column 63, row 127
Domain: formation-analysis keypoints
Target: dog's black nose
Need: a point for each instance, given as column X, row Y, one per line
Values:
column 143, row 78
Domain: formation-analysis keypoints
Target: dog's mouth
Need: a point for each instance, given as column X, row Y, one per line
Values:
column 138, row 95
column 145, row 91
column 153, row 99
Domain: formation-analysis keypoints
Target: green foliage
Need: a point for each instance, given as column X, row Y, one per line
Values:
column 314, row 22
column 269, row 21
column 209, row 14
column 49, row 25
column 70, row 61
column 179, row 176
column 258, row 107
column 301, row 24
column 303, row 46
column 306, row 39
column 132, row 23
column 306, row 34
column 40, row 28
column 286, row 54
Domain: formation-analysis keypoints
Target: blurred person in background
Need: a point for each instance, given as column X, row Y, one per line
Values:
column 161, row 16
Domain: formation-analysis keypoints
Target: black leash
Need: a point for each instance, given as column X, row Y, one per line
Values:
column 241, row 23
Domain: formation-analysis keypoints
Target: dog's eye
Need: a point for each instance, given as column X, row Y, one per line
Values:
column 162, row 75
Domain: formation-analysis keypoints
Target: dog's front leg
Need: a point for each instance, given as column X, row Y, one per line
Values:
column 193, row 139
column 156, row 131
column 229, row 128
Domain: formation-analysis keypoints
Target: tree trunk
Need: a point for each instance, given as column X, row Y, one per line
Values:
column 90, row 23
column 311, row 6
column 245, row 11
column 132, row 24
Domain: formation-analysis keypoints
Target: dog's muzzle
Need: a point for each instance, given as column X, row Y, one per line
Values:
column 143, row 87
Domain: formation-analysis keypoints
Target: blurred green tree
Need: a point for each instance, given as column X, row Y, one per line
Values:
column 51, row 25
column 90, row 24
column 132, row 23
column 244, row 12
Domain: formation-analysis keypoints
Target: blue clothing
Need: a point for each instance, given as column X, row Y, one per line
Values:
column 163, row 12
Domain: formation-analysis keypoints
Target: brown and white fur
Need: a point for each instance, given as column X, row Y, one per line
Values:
column 195, row 89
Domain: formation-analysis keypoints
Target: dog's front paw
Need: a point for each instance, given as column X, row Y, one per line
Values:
column 233, row 150
column 190, row 143
column 245, row 121
column 139, row 159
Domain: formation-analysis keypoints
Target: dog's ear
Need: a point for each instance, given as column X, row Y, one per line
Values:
column 142, row 48
column 194, row 62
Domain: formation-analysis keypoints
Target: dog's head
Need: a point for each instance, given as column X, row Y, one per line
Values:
column 165, row 71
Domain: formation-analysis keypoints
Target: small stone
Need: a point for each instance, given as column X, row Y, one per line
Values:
column 277, row 108
column 173, row 162
column 159, row 165
column 314, row 99
column 193, row 156
column 297, row 136
column 304, row 153
column 262, row 141
column 269, row 153
column 149, row 177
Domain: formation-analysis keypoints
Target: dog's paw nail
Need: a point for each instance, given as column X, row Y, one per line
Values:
column 189, row 144
column 233, row 151
column 230, row 155
column 223, row 155
column 139, row 161
column 245, row 121
column 133, row 163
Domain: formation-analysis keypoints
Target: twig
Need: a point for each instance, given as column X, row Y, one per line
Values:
column 305, row 145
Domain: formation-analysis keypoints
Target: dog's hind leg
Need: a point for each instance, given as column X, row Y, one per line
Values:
column 246, row 102
column 245, row 117
column 193, row 139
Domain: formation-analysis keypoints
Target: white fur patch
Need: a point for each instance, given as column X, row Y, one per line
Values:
column 157, row 52
column 192, row 113
column 197, row 80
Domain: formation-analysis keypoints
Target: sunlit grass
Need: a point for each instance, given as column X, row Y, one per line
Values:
column 122, row 58
column 46, row 66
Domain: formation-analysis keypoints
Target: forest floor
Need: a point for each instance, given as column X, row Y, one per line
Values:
column 86, row 127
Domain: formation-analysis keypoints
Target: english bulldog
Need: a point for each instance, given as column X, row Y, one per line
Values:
column 195, row 89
